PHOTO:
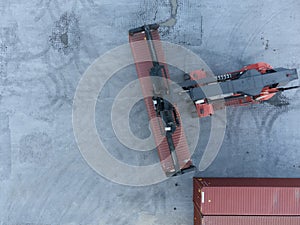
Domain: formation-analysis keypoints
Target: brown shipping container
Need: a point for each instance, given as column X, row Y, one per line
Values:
column 249, row 220
column 247, row 196
column 197, row 216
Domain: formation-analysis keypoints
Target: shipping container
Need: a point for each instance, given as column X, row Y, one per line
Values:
column 197, row 216
column 143, row 63
column 248, row 220
column 247, row 196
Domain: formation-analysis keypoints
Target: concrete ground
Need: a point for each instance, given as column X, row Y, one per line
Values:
column 45, row 47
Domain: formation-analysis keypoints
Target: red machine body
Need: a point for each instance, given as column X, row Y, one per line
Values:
column 205, row 108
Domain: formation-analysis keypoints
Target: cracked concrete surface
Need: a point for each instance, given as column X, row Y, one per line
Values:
column 46, row 45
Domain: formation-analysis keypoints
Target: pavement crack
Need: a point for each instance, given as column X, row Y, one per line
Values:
column 155, row 14
column 201, row 30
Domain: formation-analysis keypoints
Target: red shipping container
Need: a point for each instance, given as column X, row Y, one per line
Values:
column 143, row 63
column 249, row 220
column 247, row 196
column 197, row 216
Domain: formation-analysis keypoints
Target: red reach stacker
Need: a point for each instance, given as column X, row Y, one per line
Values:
column 254, row 83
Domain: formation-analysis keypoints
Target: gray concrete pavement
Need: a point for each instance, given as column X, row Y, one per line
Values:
column 46, row 45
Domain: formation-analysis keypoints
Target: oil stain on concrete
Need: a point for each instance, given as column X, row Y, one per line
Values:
column 35, row 148
column 8, row 46
column 65, row 36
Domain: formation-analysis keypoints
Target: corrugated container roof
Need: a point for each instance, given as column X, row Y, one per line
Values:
column 248, row 182
column 143, row 63
column 249, row 220
column 247, row 196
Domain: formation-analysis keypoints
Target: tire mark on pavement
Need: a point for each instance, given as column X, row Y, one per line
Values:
column 235, row 34
column 49, row 188
column 80, row 196
column 272, row 118
column 40, row 186
column 258, row 30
